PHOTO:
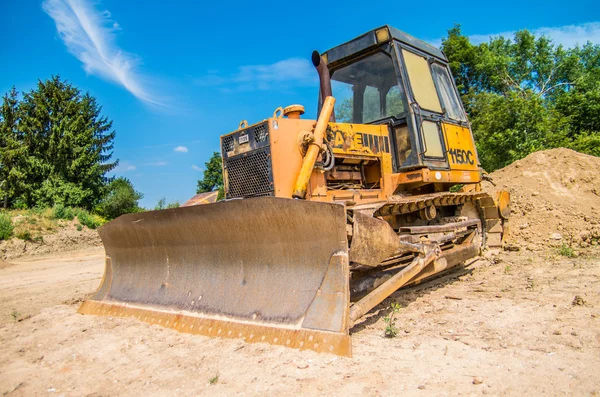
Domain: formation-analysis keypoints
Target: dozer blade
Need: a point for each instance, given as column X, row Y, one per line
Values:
column 263, row 269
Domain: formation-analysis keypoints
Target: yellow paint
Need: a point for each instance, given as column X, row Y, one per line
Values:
column 460, row 147
column 354, row 143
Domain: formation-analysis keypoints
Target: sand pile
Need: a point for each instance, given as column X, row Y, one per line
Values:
column 65, row 239
column 555, row 198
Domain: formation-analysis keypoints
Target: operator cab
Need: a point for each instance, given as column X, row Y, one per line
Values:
column 389, row 77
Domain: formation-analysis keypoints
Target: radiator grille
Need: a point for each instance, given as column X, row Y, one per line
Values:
column 228, row 144
column 250, row 175
column 261, row 133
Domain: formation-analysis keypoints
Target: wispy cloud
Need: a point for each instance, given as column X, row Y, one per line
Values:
column 89, row 35
column 288, row 72
column 568, row 36
column 157, row 164
column 124, row 166
column 196, row 168
column 181, row 149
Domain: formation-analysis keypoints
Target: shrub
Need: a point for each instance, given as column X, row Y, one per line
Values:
column 567, row 251
column 89, row 220
column 6, row 227
column 121, row 199
column 24, row 235
column 59, row 211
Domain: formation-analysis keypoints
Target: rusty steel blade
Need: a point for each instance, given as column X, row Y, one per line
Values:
column 271, row 267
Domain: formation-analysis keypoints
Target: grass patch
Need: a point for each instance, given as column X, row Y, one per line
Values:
column 6, row 227
column 567, row 251
column 214, row 380
column 24, row 235
column 15, row 314
column 32, row 224
column 92, row 221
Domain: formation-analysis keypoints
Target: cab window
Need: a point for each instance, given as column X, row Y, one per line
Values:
column 448, row 96
column 367, row 90
column 421, row 82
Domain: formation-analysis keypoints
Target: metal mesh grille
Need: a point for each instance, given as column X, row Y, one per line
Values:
column 228, row 144
column 261, row 133
column 250, row 175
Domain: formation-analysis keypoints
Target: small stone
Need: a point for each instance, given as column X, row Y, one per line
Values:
column 535, row 194
column 584, row 235
column 524, row 226
column 512, row 247
column 421, row 387
column 477, row 380
column 556, row 236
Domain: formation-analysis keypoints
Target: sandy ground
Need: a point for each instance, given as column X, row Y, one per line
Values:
column 521, row 323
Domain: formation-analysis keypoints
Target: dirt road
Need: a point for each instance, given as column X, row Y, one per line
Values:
column 523, row 323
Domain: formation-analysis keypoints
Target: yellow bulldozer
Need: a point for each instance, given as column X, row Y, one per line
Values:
column 322, row 220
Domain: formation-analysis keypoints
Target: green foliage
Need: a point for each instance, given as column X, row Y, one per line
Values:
column 12, row 149
column 174, row 204
column 15, row 314
column 24, row 235
column 526, row 94
column 121, row 199
column 162, row 204
column 90, row 220
column 59, row 211
column 213, row 176
column 214, row 380
column 568, row 251
column 6, row 227
column 587, row 143
column 79, row 227
column 371, row 106
column 343, row 111
column 391, row 331
column 55, row 147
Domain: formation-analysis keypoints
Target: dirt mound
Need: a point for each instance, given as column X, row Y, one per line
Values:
column 65, row 239
column 555, row 198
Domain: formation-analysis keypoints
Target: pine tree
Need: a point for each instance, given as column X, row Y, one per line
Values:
column 12, row 149
column 69, row 146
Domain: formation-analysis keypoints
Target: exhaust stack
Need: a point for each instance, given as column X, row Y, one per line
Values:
column 324, row 80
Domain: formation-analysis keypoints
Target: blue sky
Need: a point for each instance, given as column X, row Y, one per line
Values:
column 174, row 76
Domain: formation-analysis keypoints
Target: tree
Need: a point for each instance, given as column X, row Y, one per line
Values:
column 121, row 199
column 213, row 176
column 69, row 146
column 162, row 204
column 12, row 149
column 526, row 94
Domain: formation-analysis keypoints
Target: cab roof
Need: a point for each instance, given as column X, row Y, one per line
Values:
column 369, row 41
